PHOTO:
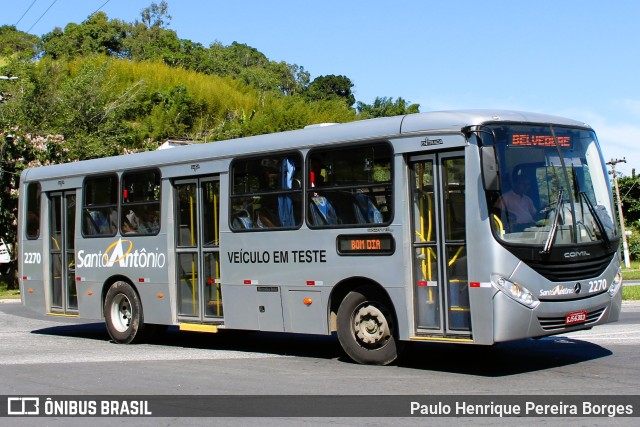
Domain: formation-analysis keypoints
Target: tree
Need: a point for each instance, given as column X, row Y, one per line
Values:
column 149, row 39
column 156, row 15
column 17, row 43
column 293, row 79
column 20, row 151
column 630, row 195
column 91, row 110
column 331, row 87
column 33, row 106
column 248, row 64
column 97, row 34
column 386, row 107
column 173, row 112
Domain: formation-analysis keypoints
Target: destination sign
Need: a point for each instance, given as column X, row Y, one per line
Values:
column 531, row 140
column 366, row 244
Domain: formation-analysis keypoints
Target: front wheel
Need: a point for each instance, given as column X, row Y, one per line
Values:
column 366, row 327
column 123, row 314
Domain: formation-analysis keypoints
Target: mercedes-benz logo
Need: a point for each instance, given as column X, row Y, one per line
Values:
column 577, row 288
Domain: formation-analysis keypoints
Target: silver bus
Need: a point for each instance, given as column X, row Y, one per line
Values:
column 469, row 227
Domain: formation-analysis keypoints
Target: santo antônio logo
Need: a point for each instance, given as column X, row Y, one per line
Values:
column 121, row 253
column 558, row 290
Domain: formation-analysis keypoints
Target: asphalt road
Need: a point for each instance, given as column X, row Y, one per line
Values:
column 64, row 356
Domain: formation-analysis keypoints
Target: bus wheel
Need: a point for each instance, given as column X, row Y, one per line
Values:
column 123, row 314
column 366, row 330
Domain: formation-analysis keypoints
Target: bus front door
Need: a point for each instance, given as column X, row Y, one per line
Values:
column 197, row 240
column 440, row 284
column 63, row 298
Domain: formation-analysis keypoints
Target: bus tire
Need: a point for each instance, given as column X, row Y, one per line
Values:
column 123, row 314
column 366, row 327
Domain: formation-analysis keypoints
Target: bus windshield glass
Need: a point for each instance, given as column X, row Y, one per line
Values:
column 553, row 187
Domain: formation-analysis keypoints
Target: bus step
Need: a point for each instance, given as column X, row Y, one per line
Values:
column 452, row 339
column 54, row 313
column 198, row 327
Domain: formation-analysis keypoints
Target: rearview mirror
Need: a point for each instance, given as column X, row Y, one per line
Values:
column 490, row 171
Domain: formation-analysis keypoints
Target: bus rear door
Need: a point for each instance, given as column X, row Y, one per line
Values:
column 63, row 297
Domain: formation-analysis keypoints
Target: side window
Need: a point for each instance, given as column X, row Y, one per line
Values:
column 33, row 211
column 266, row 192
column 100, row 206
column 350, row 186
column 140, row 213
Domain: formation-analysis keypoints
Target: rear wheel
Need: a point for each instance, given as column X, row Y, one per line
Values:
column 123, row 314
column 366, row 327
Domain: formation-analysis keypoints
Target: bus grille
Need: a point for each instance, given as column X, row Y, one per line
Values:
column 551, row 323
column 574, row 271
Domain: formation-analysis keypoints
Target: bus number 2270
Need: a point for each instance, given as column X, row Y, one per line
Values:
column 32, row 258
column 597, row 285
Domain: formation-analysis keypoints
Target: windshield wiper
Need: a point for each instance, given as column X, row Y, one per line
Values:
column 596, row 217
column 580, row 196
column 554, row 226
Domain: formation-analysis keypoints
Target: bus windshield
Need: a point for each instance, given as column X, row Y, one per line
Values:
column 553, row 186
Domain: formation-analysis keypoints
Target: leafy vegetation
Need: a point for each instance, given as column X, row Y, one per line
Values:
column 106, row 87
column 630, row 195
column 384, row 107
column 629, row 188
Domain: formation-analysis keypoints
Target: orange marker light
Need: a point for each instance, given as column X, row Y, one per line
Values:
column 90, row 293
column 307, row 301
column 160, row 296
column 30, row 291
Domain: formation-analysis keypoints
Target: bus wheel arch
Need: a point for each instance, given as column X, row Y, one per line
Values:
column 123, row 312
column 365, row 320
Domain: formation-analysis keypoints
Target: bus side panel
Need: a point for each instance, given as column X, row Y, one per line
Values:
column 240, row 307
column 144, row 261
column 305, row 311
column 32, row 289
column 156, row 303
column 294, row 263
column 32, row 267
column 33, row 296
column 89, row 300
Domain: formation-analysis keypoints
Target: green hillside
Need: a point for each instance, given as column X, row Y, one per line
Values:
column 107, row 87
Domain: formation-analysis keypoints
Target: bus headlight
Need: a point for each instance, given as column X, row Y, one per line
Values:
column 616, row 284
column 515, row 291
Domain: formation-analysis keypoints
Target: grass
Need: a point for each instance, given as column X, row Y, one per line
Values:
column 630, row 293
column 632, row 273
column 6, row 293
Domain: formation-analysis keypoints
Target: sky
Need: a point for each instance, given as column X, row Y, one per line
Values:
column 572, row 58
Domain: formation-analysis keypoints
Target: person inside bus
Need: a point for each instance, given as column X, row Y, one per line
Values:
column 130, row 223
column 518, row 207
column 320, row 208
column 265, row 216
